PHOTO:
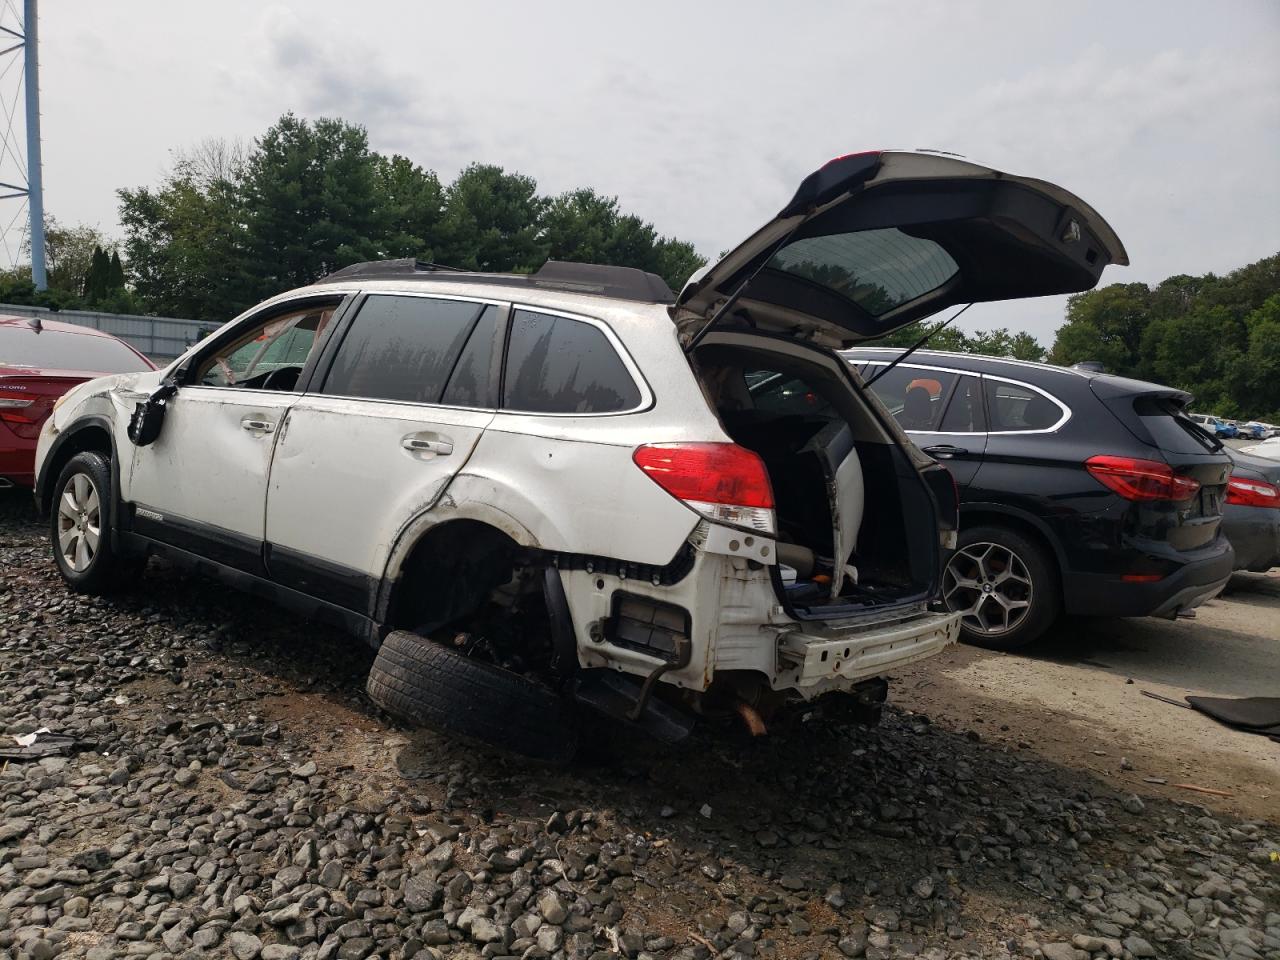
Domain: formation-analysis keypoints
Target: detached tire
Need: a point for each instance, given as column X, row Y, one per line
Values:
column 1004, row 584
column 429, row 685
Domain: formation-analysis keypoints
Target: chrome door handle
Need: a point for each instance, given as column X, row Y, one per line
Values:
column 440, row 447
column 945, row 451
column 253, row 424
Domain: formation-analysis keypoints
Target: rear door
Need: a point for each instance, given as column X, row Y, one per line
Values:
column 406, row 391
column 941, row 410
column 874, row 241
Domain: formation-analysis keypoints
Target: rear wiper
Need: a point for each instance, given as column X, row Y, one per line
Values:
column 918, row 344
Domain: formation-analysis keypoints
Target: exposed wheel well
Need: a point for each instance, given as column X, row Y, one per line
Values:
column 449, row 573
column 995, row 518
column 93, row 438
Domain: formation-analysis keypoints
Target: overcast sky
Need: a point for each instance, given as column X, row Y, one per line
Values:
column 703, row 117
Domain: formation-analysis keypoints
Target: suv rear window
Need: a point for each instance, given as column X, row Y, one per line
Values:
column 60, row 350
column 878, row 270
column 559, row 365
column 401, row 348
column 1012, row 406
column 1172, row 429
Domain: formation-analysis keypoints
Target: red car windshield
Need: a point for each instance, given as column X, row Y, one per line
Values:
column 60, row 350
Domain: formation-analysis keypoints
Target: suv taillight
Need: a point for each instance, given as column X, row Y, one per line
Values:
column 1252, row 493
column 724, row 482
column 1137, row 479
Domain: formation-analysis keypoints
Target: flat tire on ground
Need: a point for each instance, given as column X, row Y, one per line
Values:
column 427, row 684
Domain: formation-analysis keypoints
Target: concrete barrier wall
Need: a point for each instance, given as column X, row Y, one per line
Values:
column 160, row 338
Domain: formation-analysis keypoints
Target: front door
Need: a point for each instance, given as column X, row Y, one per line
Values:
column 201, row 486
column 377, row 438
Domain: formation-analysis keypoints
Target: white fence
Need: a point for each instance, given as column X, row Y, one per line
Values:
column 160, row 338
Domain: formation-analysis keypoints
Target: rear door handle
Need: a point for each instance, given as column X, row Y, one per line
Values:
column 257, row 425
column 441, row 448
column 945, row 451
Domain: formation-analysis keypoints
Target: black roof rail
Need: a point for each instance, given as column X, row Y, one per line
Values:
column 623, row 283
column 378, row 268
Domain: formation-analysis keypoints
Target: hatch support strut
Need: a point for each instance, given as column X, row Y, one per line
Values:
column 741, row 289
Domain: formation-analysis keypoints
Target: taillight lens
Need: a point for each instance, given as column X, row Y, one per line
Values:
column 1136, row 479
column 1252, row 493
column 724, row 482
column 21, row 409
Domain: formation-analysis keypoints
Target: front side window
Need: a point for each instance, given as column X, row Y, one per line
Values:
column 560, row 365
column 1014, row 407
column 916, row 398
column 402, row 348
column 270, row 356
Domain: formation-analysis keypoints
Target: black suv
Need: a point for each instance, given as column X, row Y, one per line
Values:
column 1080, row 492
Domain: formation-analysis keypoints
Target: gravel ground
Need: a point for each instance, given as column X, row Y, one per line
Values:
column 232, row 793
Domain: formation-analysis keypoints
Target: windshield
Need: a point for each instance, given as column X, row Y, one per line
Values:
column 60, row 350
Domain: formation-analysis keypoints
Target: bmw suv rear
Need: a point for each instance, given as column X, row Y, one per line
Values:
column 1080, row 492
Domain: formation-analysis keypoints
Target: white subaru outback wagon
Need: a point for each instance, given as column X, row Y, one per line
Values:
column 532, row 493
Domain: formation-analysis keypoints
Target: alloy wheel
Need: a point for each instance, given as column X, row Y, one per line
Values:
column 990, row 586
column 79, row 522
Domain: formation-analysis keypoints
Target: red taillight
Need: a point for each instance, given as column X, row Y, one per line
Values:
column 722, row 481
column 21, row 409
column 1137, row 479
column 1252, row 493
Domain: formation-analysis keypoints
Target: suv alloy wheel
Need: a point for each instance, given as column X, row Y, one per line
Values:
column 1003, row 586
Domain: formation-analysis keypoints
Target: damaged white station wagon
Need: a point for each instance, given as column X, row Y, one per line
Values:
column 533, row 493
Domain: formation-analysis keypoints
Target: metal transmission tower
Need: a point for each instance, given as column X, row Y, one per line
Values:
column 23, row 29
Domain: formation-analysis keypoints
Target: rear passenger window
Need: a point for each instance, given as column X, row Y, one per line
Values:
column 964, row 412
column 474, row 380
column 1014, row 407
column 915, row 397
column 559, row 365
column 401, row 348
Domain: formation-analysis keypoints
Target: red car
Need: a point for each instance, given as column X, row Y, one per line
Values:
column 39, row 362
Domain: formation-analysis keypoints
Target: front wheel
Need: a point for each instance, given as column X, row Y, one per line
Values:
column 80, row 527
column 1004, row 587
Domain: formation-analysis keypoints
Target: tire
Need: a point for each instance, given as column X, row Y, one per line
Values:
column 430, row 685
column 80, row 528
column 1006, row 586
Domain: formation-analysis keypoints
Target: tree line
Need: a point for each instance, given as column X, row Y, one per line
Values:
column 1216, row 337
column 231, row 224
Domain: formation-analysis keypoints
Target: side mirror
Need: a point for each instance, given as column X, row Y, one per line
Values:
column 148, row 415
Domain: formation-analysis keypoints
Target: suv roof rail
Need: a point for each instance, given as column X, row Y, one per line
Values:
column 378, row 268
column 623, row 283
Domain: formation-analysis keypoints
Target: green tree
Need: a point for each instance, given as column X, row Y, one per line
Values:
column 310, row 202
column 491, row 221
column 411, row 201
column 1110, row 322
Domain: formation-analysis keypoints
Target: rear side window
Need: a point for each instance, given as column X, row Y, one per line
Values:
column 964, row 412
column 1012, row 407
column 915, row 397
column 401, row 348
column 559, row 365
column 474, row 380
